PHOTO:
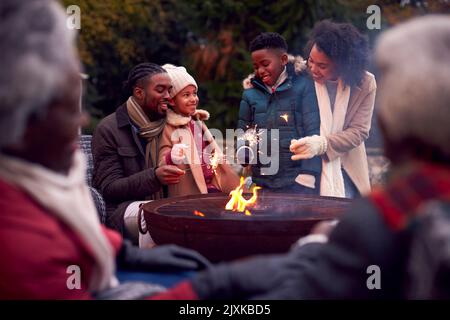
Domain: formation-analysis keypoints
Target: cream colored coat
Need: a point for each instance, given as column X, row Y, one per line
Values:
column 193, row 182
column 349, row 143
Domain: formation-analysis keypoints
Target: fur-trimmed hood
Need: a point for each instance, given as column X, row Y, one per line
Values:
column 299, row 66
column 177, row 120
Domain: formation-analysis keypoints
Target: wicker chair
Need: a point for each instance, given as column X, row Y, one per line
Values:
column 85, row 144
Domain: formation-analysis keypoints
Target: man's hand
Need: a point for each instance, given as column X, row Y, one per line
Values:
column 324, row 227
column 169, row 174
column 319, row 234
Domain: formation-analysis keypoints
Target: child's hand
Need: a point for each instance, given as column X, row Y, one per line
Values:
column 178, row 154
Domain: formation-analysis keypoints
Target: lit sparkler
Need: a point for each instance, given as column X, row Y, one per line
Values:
column 285, row 117
column 214, row 160
column 252, row 136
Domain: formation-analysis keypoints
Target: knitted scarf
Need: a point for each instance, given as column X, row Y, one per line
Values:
column 67, row 197
column 149, row 130
column 412, row 187
column 332, row 181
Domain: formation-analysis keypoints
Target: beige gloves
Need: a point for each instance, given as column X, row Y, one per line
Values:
column 308, row 147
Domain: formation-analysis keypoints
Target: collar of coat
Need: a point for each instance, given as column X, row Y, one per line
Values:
column 178, row 120
column 297, row 63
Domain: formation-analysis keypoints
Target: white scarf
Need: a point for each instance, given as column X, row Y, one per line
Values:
column 69, row 199
column 332, row 181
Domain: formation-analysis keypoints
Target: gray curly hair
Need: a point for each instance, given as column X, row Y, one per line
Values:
column 37, row 50
column 414, row 92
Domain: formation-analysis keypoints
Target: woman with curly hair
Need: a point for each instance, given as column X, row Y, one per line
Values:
column 337, row 58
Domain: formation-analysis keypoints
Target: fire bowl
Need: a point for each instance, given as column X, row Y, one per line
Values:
column 277, row 221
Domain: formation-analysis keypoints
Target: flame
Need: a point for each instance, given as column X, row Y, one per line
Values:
column 238, row 203
column 285, row 117
column 198, row 213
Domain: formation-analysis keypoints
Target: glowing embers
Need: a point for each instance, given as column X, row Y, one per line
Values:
column 198, row 213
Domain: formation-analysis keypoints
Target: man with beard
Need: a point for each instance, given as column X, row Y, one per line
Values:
column 125, row 146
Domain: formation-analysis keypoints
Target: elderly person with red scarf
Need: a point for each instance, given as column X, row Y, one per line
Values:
column 52, row 243
column 394, row 243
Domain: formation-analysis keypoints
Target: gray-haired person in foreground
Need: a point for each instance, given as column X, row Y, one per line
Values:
column 395, row 243
column 51, row 238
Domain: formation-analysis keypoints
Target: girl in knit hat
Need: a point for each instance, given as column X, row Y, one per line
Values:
column 187, row 142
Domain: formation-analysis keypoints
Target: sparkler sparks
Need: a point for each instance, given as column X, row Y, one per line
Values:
column 214, row 160
column 252, row 136
column 285, row 117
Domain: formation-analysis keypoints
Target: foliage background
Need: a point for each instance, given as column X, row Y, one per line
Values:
column 209, row 37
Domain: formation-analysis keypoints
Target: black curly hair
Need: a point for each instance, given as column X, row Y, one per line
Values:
column 140, row 73
column 345, row 46
column 268, row 40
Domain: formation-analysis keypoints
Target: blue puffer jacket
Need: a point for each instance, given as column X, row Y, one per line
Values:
column 297, row 99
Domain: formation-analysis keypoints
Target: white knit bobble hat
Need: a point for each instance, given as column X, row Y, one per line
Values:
column 179, row 77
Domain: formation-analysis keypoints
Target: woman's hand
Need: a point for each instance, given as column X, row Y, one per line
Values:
column 308, row 147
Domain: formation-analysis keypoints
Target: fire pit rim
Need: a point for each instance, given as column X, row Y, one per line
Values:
column 153, row 206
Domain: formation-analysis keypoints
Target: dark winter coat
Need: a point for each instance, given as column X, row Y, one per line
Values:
column 295, row 98
column 119, row 166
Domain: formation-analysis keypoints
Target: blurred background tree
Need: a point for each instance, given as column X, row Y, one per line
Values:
column 209, row 37
column 220, row 32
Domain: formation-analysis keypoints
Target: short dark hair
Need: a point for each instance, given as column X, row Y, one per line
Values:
column 140, row 73
column 268, row 40
column 345, row 46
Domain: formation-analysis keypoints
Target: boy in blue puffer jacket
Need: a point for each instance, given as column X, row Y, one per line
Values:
column 281, row 97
